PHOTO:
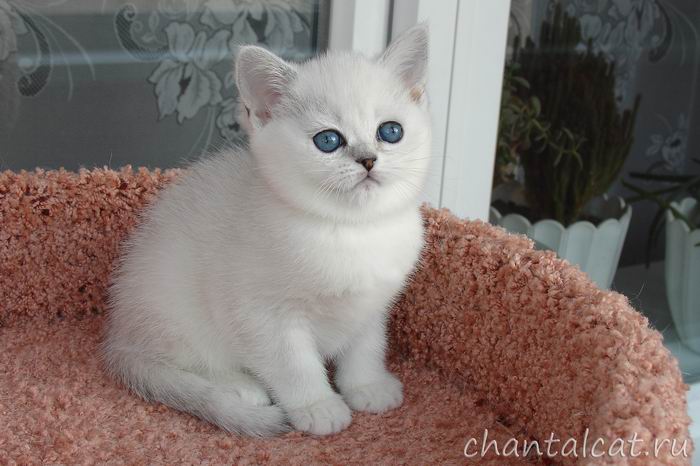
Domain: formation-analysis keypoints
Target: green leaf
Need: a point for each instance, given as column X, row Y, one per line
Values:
column 558, row 159
column 522, row 82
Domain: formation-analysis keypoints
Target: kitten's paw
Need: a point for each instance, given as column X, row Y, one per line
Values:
column 253, row 394
column 323, row 417
column 248, row 389
column 376, row 397
column 232, row 415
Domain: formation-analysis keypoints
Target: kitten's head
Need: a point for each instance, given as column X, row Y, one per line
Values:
column 342, row 136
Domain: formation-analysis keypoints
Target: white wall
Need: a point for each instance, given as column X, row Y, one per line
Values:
column 475, row 97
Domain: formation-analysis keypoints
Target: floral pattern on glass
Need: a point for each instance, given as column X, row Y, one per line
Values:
column 48, row 46
column 191, row 45
column 184, row 82
column 195, row 45
column 671, row 146
column 622, row 30
column 11, row 25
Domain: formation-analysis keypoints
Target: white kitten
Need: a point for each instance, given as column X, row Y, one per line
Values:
column 261, row 264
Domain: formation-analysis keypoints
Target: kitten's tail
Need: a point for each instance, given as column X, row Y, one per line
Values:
column 191, row 393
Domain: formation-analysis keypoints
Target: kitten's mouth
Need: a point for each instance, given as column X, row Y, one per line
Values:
column 366, row 183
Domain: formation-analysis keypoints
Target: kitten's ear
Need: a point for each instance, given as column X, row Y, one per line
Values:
column 262, row 77
column 408, row 57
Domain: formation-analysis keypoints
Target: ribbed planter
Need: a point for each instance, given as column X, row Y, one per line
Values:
column 683, row 273
column 595, row 249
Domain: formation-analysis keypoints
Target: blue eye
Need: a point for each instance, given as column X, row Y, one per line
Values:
column 390, row 132
column 328, row 140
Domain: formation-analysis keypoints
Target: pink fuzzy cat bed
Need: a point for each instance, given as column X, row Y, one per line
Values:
column 490, row 334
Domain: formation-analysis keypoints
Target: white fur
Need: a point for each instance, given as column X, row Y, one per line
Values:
column 261, row 264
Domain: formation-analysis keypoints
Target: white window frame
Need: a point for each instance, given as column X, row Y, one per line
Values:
column 360, row 25
column 467, row 53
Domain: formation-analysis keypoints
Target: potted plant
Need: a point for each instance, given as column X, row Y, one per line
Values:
column 678, row 201
column 570, row 153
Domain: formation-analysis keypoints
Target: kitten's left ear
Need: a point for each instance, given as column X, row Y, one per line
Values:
column 262, row 78
column 408, row 57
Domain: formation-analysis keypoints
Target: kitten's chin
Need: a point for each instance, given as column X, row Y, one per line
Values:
column 372, row 198
column 366, row 184
column 365, row 190
column 368, row 199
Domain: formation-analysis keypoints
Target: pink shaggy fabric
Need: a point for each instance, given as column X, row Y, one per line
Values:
column 490, row 334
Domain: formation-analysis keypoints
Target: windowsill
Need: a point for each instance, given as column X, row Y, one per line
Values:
column 646, row 290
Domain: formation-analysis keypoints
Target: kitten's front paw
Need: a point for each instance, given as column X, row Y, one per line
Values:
column 323, row 417
column 376, row 397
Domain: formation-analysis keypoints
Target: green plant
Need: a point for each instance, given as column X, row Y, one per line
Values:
column 522, row 127
column 576, row 89
column 675, row 187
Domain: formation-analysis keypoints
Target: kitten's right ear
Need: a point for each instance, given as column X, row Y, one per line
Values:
column 262, row 77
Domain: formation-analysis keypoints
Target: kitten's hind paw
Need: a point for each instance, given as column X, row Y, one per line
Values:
column 247, row 388
column 376, row 397
column 323, row 417
column 232, row 414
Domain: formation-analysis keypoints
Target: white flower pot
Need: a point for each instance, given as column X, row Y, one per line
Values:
column 683, row 273
column 595, row 249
